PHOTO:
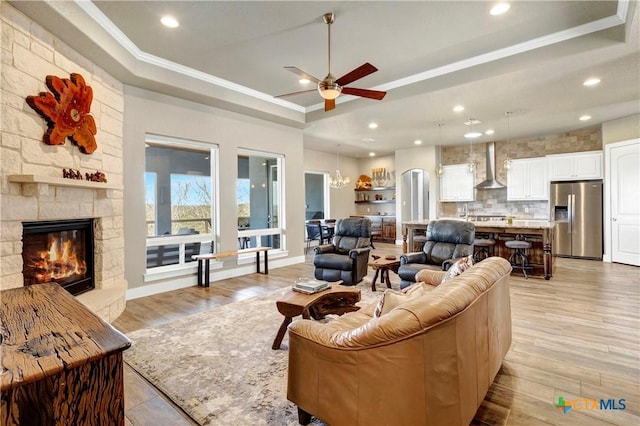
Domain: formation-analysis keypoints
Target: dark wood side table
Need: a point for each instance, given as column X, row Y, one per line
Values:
column 382, row 266
column 336, row 300
column 61, row 363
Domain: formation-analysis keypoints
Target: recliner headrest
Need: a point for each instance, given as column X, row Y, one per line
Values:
column 353, row 227
column 451, row 231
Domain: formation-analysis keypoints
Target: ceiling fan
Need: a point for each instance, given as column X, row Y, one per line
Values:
column 330, row 87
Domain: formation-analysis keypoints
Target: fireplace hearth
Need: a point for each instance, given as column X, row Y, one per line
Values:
column 59, row 251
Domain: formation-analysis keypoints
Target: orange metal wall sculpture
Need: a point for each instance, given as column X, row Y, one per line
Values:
column 67, row 112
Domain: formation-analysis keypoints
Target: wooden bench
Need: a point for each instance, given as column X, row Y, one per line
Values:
column 205, row 259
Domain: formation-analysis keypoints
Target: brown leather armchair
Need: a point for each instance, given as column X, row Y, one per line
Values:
column 446, row 240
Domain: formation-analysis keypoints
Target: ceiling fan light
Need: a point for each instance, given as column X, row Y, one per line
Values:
column 329, row 91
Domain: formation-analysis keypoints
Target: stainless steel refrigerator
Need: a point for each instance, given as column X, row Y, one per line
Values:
column 576, row 208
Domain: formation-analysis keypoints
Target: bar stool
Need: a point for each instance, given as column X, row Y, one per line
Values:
column 519, row 259
column 484, row 244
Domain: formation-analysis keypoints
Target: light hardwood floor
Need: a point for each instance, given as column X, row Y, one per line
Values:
column 574, row 336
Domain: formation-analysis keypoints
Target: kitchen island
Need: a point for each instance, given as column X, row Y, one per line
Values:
column 538, row 232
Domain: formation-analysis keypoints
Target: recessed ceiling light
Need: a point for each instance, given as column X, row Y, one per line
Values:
column 373, row 125
column 368, row 140
column 458, row 108
column 417, row 142
column 500, row 8
column 304, row 81
column 489, row 132
column 169, row 21
column 472, row 121
column 585, row 118
column 591, row 81
column 372, row 154
column 472, row 135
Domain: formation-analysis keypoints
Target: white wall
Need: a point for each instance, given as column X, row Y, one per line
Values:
column 149, row 112
column 622, row 129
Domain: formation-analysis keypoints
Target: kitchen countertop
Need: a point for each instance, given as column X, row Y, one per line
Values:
column 517, row 223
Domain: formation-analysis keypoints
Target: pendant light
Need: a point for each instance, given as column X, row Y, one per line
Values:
column 507, row 161
column 471, row 136
column 337, row 181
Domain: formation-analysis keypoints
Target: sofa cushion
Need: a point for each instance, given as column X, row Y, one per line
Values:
column 457, row 268
column 392, row 298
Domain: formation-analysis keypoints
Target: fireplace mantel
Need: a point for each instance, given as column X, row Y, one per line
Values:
column 56, row 181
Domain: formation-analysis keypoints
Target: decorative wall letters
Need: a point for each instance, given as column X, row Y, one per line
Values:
column 67, row 112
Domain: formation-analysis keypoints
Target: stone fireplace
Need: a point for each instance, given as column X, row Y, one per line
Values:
column 32, row 187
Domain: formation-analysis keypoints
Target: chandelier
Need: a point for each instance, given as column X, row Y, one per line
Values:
column 338, row 181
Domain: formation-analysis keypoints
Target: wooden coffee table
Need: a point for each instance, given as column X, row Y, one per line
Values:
column 337, row 299
column 382, row 266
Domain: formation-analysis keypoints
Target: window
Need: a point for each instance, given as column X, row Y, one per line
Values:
column 259, row 195
column 178, row 200
column 190, row 203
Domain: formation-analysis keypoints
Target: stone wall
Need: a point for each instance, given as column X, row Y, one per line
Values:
column 29, row 54
column 494, row 201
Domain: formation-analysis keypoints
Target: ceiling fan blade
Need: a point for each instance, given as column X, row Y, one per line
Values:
column 302, row 74
column 329, row 104
column 296, row 93
column 365, row 93
column 362, row 71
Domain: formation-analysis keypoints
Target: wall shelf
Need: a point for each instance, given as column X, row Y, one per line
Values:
column 56, row 181
column 377, row 188
column 374, row 201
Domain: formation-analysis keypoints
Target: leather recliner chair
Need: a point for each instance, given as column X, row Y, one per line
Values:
column 347, row 257
column 446, row 240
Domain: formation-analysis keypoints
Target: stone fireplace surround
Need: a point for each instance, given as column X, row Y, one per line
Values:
column 31, row 184
column 51, row 202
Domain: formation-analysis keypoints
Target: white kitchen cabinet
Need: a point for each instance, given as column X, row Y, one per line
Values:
column 456, row 183
column 527, row 179
column 575, row 166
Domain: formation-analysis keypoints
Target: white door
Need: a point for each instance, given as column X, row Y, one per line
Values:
column 624, row 166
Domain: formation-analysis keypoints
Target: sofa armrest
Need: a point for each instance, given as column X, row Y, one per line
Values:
column 325, row 248
column 415, row 257
column 358, row 330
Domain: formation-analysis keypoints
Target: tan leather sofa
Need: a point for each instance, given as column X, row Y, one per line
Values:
column 429, row 361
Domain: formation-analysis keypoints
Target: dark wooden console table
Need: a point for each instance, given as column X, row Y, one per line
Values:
column 61, row 364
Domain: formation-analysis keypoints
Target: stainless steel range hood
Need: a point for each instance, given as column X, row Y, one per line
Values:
column 490, row 182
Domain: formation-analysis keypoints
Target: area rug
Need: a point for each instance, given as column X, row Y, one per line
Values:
column 218, row 366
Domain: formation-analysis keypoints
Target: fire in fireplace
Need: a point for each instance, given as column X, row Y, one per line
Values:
column 59, row 251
